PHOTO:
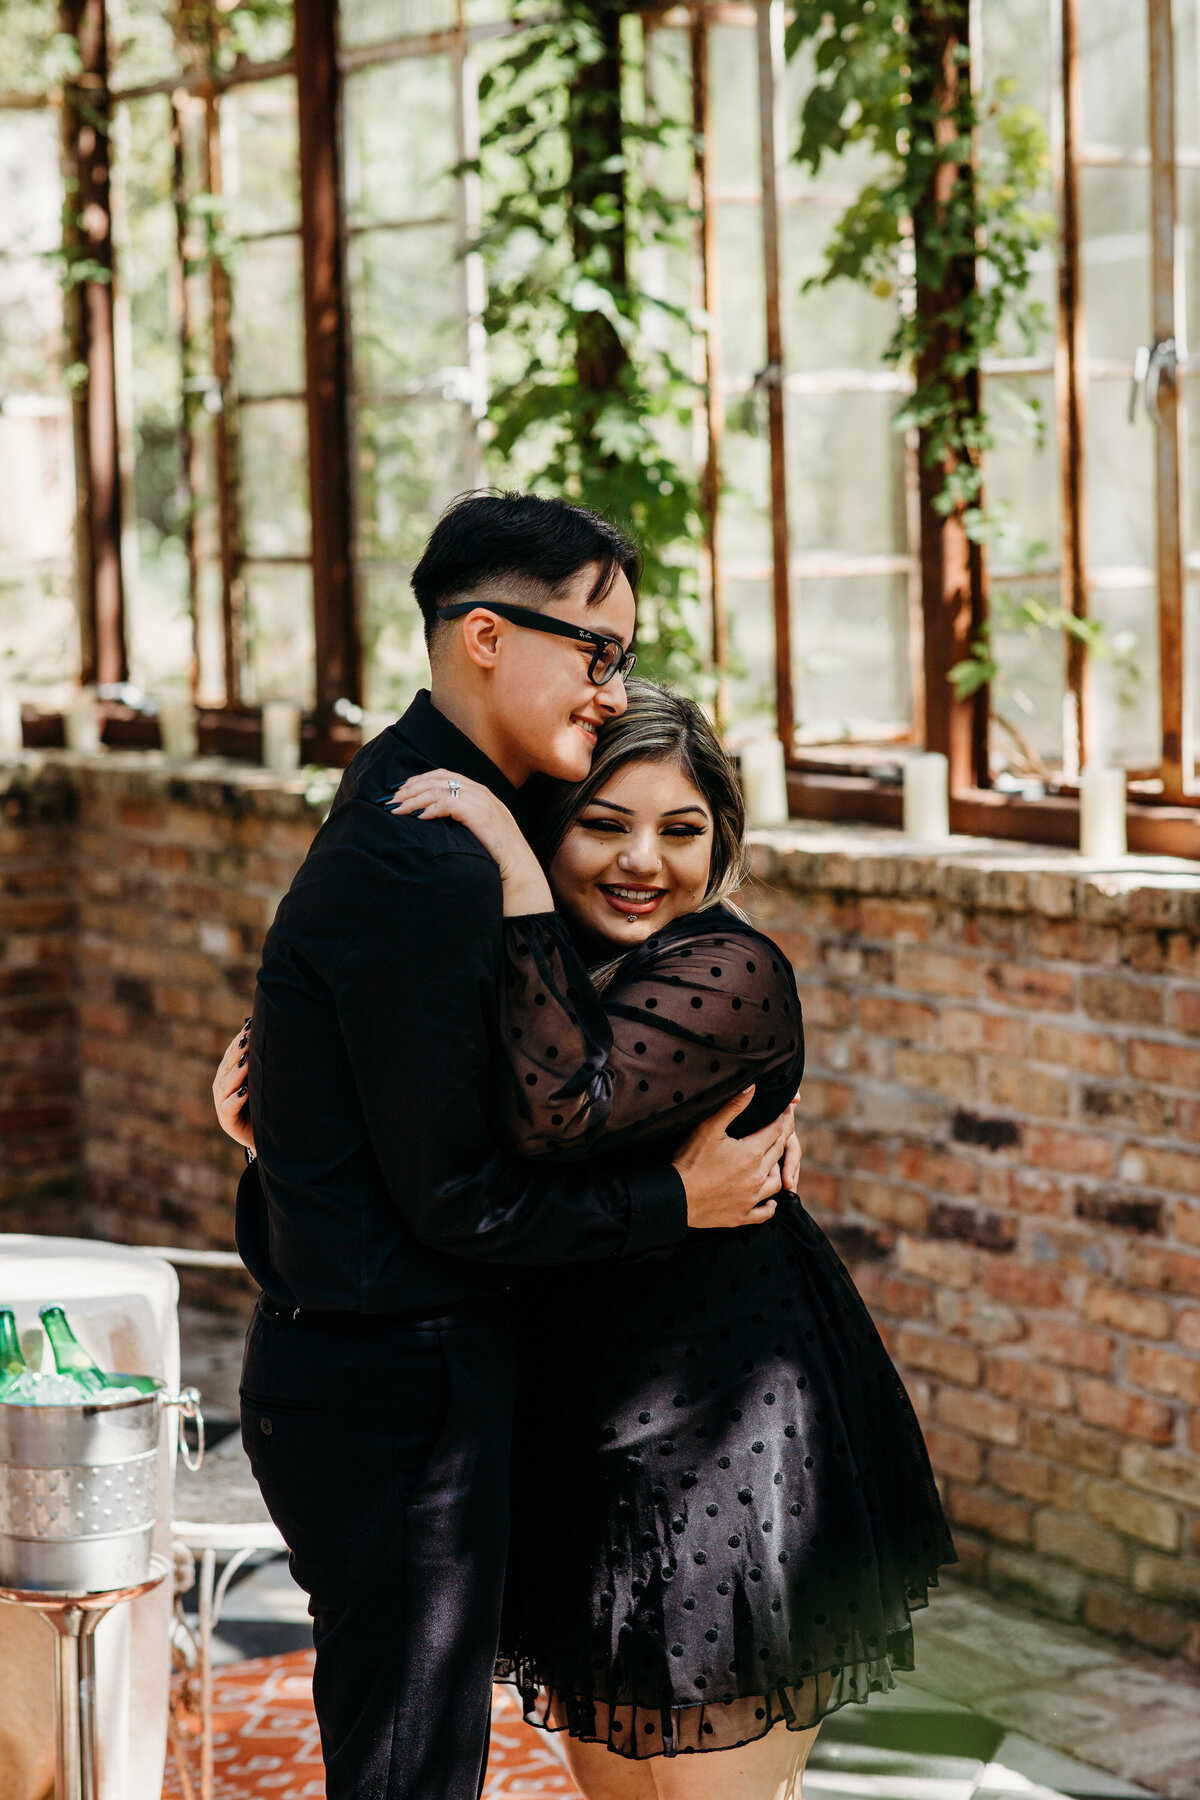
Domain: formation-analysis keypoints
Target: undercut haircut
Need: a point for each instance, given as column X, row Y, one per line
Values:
column 520, row 548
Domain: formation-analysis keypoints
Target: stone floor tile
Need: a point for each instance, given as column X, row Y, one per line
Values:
column 1039, row 1764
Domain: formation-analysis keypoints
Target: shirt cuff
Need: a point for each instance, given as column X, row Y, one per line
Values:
column 657, row 1211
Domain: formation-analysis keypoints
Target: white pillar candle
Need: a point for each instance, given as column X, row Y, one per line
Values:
column 177, row 730
column 81, row 723
column 281, row 736
column 12, row 740
column 927, row 797
column 1102, row 812
column 764, row 782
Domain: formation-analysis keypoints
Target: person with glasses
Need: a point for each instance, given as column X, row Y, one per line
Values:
column 382, row 1218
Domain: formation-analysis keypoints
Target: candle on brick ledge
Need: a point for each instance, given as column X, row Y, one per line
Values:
column 177, row 730
column 281, row 736
column 12, row 739
column 764, row 782
column 81, row 722
column 927, row 797
column 1102, row 812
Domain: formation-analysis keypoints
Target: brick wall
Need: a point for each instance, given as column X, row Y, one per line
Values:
column 38, row 1075
column 1001, row 1114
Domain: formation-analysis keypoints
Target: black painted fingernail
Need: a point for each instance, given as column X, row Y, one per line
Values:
column 246, row 1020
column 241, row 1090
column 241, row 1059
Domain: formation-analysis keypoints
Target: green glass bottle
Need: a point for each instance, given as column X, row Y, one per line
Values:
column 12, row 1362
column 70, row 1357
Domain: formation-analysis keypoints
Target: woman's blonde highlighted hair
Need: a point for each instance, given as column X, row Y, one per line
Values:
column 662, row 726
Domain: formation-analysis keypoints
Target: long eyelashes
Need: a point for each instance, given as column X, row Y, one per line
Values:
column 615, row 826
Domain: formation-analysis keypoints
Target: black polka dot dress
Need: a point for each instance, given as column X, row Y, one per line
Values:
column 723, row 1511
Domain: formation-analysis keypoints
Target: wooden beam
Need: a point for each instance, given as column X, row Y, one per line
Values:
column 87, row 241
column 330, row 429
column 769, row 21
column 1167, row 412
column 952, row 579
column 1070, row 392
column 708, row 346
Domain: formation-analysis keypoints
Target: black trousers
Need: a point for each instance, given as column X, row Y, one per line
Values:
column 383, row 1456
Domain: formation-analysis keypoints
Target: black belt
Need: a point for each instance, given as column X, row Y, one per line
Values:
column 355, row 1323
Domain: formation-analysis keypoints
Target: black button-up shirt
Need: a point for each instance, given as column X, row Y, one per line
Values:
column 374, row 1059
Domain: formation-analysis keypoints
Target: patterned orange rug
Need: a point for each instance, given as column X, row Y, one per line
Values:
column 266, row 1745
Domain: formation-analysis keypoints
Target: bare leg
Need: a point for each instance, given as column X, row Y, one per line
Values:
column 768, row 1769
column 599, row 1774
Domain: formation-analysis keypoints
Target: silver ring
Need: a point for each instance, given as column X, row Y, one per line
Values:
column 453, row 786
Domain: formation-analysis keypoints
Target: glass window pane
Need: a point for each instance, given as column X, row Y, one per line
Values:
column 733, row 105
column 1128, row 713
column 842, row 326
column 141, row 42
column 850, row 653
column 410, row 467
column 260, row 157
column 1025, row 737
column 1023, row 483
column 740, row 267
column 745, row 497
column 279, row 634
column 1114, row 72
column 1115, row 254
column 400, row 143
column 845, row 474
column 375, row 21
column 752, row 640
column 268, row 316
column 274, row 459
column 407, row 307
column 395, row 664
column 1119, row 469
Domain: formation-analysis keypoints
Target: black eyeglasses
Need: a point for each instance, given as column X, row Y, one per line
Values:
column 609, row 655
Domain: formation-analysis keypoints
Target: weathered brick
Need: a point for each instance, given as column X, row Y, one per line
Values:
column 908, row 921
column 1047, row 1587
column 1120, row 1209
column 1187, row 1330
column 951, row 1264
column 1134, row 1515
column 1135, row 1314
column 1027, row 1090
column 940, row 1071
column 1120, row 1001
column 1166, row 1472
column 1118, row 1614
column 1130, row 1414
column 1041, row 990
column 1023, row 1286
column 1072, row 1345
column 1169, row 1065
column 1185, row 1223
column 1167, row 1578
column 1004, row 1519
column 909, row 1021
column 979, row 1416
column 937, row 972
column 826, row 1006
column 971, row 1225
column 1165, row 1373
column 1087, row 1052
column 939, row 1356
column 885, row 1292
column 1000, row 1034
column 959, row 1458
column 1063, row 1440
column 1163, row 1271
column 1136, row 1108
column 1075, row 1152
column 1045, row 1482
column 932, row 1168
column 1032, row 1192
column 1032, row 1383
column 982, row 1321
column 1183, row 1013
column 1088, row 1547
column 1148, row 1166
column 893, row 1205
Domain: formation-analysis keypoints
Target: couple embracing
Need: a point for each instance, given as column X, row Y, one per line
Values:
column 551, row 1375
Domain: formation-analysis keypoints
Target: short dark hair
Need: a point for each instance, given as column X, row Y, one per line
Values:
column 527, row 545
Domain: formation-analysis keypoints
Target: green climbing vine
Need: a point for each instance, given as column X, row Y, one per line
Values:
column 585, row 401
column 957, row 189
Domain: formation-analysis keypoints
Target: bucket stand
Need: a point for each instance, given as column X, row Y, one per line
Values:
column 74, row 1618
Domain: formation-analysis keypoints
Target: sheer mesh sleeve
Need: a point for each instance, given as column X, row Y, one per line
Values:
column 687, row 1022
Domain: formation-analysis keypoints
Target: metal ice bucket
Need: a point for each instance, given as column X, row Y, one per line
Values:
column 78, row 1488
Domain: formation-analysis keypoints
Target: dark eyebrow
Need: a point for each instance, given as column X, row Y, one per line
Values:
column 628, row 810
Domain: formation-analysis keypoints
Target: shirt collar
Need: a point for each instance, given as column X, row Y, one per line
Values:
column 442, row 745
